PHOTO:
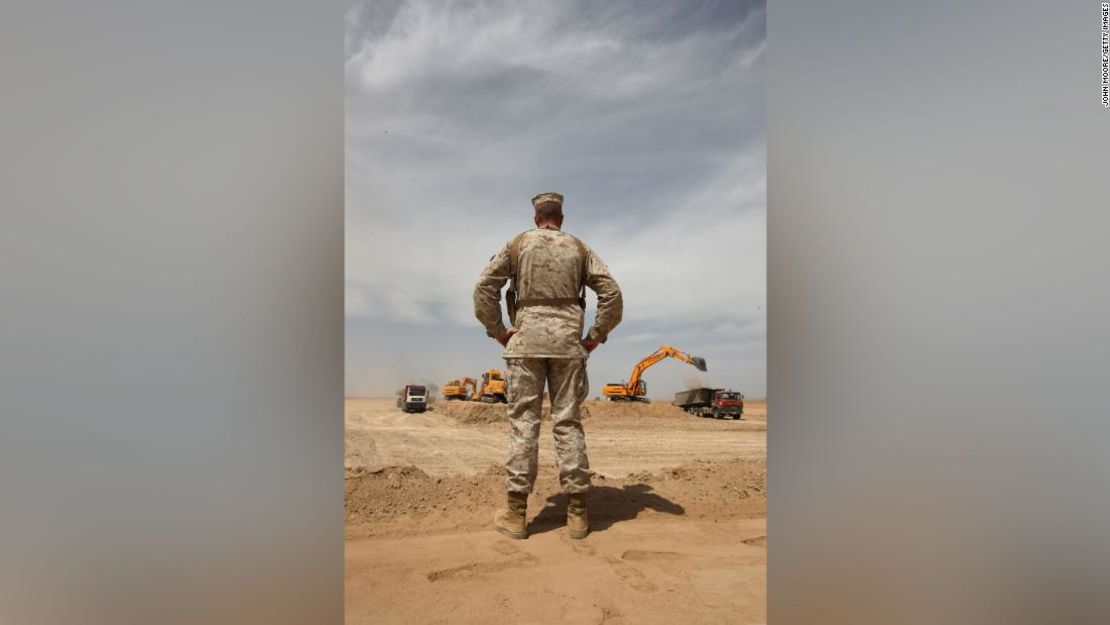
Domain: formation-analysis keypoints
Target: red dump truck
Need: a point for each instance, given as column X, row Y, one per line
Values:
column 413, row 398
column 711, row 402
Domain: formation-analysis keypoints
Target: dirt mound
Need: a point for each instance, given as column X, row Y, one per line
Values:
column 392, row 492
column 472, row 411
column 407, row 501
column 604, row 409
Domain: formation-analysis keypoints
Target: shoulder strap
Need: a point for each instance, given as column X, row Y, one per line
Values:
column 514, row 255
column 585, row 256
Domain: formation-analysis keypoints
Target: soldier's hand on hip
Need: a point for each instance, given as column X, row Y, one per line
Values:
column 590, row 345
column 504, row 338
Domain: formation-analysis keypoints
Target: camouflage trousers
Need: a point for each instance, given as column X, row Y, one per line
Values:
column 568, row 386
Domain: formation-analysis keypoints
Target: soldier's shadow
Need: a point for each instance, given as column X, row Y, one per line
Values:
column 607, row 505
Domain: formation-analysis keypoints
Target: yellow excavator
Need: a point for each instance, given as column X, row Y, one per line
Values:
column 636, row 388
column 457, row 389
column 492, row 390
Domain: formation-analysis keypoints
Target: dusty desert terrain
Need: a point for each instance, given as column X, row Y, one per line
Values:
column 678, row 519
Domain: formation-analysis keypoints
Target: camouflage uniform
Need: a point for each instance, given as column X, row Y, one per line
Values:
column 547, row 348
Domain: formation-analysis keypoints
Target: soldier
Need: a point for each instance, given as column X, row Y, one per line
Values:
column 549, row 272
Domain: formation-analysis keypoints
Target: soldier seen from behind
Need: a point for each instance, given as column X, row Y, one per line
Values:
column 548, row 271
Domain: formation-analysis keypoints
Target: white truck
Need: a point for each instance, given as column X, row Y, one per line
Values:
column 413, row 398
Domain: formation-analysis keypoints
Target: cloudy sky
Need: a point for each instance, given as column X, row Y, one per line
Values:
column 648, row 116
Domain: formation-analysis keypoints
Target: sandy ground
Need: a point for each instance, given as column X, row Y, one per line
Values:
column 678, row 519
column 379, row 434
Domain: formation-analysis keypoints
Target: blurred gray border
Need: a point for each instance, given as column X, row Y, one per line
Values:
column 171, row 334
column 171, row 442
column 938, row 310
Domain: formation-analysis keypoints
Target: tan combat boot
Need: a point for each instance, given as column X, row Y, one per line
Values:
column 510, row 521
column 578, row 521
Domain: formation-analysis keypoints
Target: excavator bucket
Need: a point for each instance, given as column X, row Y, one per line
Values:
column 698, row 362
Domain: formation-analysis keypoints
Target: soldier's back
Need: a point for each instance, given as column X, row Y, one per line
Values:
column 549, row 273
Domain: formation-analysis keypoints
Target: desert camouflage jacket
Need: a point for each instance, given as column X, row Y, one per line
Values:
column 549, row 267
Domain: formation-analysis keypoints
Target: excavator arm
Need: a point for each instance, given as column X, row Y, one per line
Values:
column 634, row 388
column 665, row 351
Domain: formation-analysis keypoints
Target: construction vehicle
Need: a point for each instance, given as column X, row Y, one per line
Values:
column 711, row 402
column 412, row 398
column 636, row 388
column 492, row 390
column 457, row 389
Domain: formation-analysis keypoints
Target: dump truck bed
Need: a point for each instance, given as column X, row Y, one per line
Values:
column 694, row 396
